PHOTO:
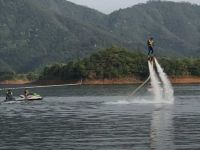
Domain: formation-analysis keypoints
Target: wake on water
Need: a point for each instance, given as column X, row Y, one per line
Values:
column 162, row 90
column 136, row 101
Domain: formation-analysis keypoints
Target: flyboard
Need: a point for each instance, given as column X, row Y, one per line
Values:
column 162, row 89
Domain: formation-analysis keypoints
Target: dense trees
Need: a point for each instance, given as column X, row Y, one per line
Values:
column 111, row 63
column 182, row 67
column 6, row 75
column 116, row 63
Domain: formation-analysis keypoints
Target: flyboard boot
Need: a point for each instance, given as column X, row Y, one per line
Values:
column 151, row 58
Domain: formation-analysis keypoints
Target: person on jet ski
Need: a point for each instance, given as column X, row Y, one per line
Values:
column 9, row 95
column 26, row 93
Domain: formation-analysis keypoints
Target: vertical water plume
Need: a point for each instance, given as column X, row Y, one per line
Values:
column 168, row 89
column 156, row 88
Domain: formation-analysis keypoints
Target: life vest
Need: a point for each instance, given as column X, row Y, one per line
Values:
column 150, row 43
column 9, row 93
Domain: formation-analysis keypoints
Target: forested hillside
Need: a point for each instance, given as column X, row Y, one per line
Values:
column 34, row 33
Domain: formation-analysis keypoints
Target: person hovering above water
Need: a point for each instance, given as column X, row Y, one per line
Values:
column 150, row 45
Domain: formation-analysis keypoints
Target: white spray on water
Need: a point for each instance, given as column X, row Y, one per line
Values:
column 156, row 88
column 162, row 89
column 168, row 89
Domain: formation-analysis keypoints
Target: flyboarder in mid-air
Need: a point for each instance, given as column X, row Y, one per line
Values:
column 150, row 45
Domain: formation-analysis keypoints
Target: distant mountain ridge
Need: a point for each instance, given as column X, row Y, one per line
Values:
column 34, row 33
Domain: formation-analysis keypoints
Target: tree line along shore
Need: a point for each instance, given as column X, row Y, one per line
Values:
column 110, row 66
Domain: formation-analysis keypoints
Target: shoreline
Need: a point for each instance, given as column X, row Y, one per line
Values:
column 121, row 81
column 174, row 80
column 18, row 82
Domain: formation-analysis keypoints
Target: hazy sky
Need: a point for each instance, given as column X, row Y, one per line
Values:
column 108, row 6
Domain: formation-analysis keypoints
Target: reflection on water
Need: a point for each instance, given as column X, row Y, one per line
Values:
column 161, row 133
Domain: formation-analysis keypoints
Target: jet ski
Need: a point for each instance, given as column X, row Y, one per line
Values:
column 30, row 97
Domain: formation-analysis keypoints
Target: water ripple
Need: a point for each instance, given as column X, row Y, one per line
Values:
column 94, row 123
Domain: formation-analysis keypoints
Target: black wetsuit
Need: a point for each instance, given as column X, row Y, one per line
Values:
column 9, row 96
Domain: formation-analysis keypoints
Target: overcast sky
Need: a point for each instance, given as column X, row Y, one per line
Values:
column 107, row 6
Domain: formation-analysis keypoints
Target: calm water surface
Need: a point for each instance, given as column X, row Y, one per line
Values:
column 99, row 118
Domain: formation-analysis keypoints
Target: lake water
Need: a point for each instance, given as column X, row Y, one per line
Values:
column 100, row 118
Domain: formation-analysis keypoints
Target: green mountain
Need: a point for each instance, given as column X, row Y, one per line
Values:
column 38, row 32
column 175, row 26
column 34, row 33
